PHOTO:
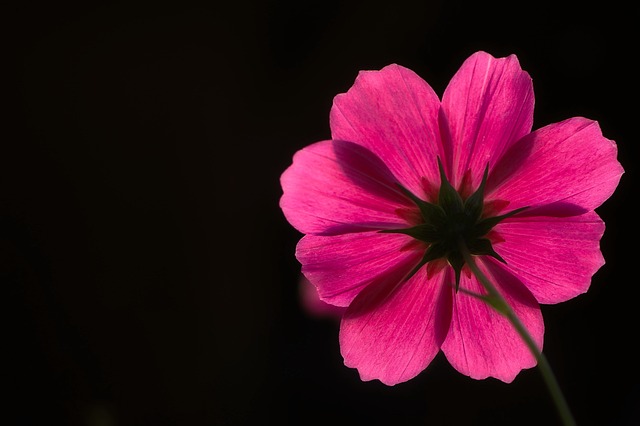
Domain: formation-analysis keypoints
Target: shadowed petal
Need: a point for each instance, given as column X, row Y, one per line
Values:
column 334, row 187
column 392, row 332
column 482, row 343
column 488, row 106
column 341, row 266
column 554, row 257
column 568, row 162
column 394, row 113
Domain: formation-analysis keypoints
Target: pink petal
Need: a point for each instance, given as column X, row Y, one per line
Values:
column 488, row 105
column 481, row 342
column 569, row 164
column 392, row 331
column 312, row 304
column 394, row 113
column 334, row 187
column 341, row 266
column 554, row 257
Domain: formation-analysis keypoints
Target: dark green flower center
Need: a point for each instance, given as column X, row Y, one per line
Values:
column 452, row 222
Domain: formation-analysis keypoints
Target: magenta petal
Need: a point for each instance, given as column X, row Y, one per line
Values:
column 488, row 106
column 568, row 163
column 394, row 113
column 554, row 257
column 391, row 332
column 334, row 187
column 481, row 342
column 312, row 304
column 341, row 266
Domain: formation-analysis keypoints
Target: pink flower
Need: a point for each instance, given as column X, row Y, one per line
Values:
column 380, row 210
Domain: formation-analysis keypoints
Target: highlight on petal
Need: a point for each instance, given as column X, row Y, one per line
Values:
column 568, row 162
column 394, row 113
column 334, row 187
column 482, row 343
column 392, row 331
column 341, row 266
column 555, row 258
column 488, row 106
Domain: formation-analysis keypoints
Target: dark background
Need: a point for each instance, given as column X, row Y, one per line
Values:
column 148, row 274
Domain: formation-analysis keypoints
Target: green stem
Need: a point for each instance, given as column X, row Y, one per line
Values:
column 496, row 300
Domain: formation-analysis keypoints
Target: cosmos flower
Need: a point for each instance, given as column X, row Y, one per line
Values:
column 408, row 178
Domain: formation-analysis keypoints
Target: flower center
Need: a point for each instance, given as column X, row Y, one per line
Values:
column 452, row 222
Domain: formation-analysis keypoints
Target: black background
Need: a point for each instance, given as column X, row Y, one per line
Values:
column 148, row 274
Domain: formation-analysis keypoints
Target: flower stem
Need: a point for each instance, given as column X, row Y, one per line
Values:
column 496, row 300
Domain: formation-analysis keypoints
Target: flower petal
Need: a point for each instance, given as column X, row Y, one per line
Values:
column 334, row 187
column 554, row 257
column 392, row 331
column 312, row 304
column 394, row 113
column 341, row 266
column 488, row 106
column 481, row 342
column 568, row 163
